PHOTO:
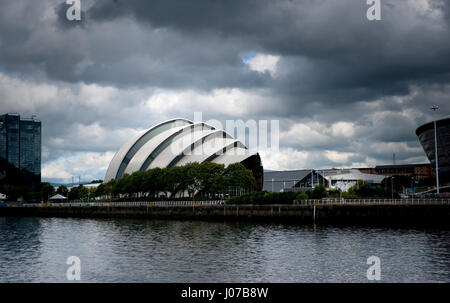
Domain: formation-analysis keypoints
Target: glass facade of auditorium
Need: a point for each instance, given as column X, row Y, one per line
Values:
column 426, row 138
column 20, row 151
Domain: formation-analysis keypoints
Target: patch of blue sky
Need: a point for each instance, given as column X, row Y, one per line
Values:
column 247, row 57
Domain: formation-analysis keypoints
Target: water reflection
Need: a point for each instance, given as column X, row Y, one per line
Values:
column 36, row 250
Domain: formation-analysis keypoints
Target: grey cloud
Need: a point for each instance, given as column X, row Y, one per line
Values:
column 334, row 64
column 61, row 12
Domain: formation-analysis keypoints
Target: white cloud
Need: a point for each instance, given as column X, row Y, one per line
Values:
column 338, row 157
column 263, row 62
column 219, row 102
column 56, row 170
column 88, row 166
column 424, row 7
column 343, row 129
column 306, row 134
column 286, row 158
column 314, row 134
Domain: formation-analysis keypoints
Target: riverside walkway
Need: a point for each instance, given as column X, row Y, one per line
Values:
column 190, row 203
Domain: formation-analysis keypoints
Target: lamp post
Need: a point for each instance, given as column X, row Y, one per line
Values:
column 435, row 108
column 392, row 187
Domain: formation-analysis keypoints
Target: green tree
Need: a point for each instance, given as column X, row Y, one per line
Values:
column 194, row 178
column 62, row 190
column 83, row 192
column 175, row 180
column 153, row 181
column 213, row 180
column 361, row 189
column 318, row 192
column 110, row 188
column 47, row 190
column 124, row 185
column 74, row 193
column 236, row 175
column 301, row 196
column 91, row 195
column 100, row 190
column 137, row 182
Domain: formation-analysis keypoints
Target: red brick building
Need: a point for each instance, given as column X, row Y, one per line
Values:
column 419, row 171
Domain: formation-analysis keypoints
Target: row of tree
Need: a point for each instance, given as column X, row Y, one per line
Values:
column 75, row 193
column 205, row 180
column 208, row 180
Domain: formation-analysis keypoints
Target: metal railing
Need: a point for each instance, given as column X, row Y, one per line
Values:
column 222, row 202
column 126, row 204
column 373, row 202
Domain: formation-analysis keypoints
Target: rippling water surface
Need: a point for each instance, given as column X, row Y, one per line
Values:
column 36, row 250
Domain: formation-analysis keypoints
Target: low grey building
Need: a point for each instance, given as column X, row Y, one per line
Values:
column 292, row 180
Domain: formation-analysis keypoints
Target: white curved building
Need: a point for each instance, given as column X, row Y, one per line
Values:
column 177, row 142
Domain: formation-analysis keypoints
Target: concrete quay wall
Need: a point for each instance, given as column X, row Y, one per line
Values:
column 304, row 214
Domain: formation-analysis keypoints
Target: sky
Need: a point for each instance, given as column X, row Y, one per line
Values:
column 347, row 92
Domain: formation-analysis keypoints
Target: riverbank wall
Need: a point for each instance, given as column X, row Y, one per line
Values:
column 302, row 214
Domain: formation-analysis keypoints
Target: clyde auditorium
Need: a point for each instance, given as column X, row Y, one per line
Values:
column 178, row 142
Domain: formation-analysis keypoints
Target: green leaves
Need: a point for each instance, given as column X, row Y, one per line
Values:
column 197, row 179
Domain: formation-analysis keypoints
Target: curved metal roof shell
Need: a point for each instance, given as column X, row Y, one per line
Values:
column 176, row 142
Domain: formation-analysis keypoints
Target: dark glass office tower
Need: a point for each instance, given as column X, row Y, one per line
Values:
column 20, row 151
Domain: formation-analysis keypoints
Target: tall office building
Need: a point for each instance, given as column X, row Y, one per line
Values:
column 20, row 151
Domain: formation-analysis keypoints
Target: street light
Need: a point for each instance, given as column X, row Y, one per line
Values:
column 392, row 187
column 435, row 108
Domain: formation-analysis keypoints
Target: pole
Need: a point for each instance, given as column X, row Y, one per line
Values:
column 436, row 158
column 435, row 108
column 392, row 188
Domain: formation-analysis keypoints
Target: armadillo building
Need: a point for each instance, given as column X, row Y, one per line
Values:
column 177, row 142
column 426, row 138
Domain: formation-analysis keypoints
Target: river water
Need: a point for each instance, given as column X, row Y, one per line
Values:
column 122, row 250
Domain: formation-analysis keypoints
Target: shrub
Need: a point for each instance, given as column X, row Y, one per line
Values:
column 302, row 196
column 264, row 198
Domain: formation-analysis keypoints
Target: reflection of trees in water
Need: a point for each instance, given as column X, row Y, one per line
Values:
column 20, row 242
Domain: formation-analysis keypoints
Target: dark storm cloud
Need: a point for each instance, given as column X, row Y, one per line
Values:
column 329, row 50
column 330, row 53
column 119, row 52
column 334, row 65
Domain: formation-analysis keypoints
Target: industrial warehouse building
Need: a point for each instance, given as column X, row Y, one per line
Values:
column 177, row 142
column 303, row 180
column 292, row 180
column 343, row 179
